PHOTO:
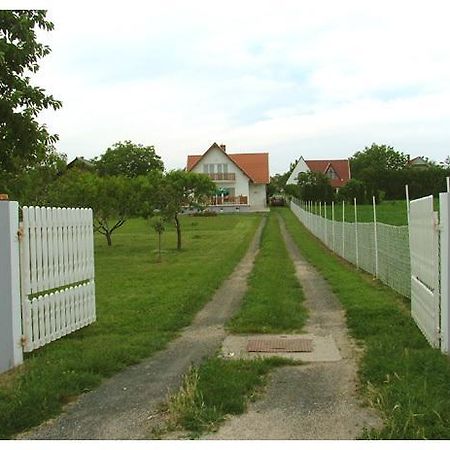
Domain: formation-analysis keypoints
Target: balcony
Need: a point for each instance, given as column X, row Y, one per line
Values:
column 222, row 176
column 229, row 200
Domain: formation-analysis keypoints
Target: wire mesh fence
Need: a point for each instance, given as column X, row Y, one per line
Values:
column 377, row 248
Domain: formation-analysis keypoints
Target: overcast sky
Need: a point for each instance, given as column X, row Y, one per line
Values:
column 322, row 79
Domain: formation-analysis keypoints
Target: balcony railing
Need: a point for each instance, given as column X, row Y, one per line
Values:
column 229, row 200
column 222, row 176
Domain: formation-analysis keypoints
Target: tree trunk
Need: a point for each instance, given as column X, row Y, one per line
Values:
column 159, row 247
column 108, row 239
column 178, row 226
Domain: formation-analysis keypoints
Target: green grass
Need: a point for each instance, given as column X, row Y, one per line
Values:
column 401, row 375
column 217, row 388
column 391, row 212
column 141, row 305
column 273, row 302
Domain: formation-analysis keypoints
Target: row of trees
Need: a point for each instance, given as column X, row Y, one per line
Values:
column 127, row 181
column 378, row 170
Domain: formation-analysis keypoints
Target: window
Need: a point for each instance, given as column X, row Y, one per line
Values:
column 331, row 173
column 208, row 168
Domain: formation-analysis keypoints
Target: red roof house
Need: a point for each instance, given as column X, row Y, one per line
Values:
column 337, row 170
column 243, row 176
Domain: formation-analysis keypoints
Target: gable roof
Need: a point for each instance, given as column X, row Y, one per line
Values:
column 254, row 165
column 340, row 166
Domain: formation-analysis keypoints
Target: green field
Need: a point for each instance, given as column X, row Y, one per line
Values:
column 392, row 212
column 141, row 305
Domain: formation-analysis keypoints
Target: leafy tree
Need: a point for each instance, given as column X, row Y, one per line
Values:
column 34, row 183
column 24, row 143
column 180, row 189
column 128, row 159
column 158, row 226
column 372, row 165
column 314, row 186
column 114, row 199
column 353, row 189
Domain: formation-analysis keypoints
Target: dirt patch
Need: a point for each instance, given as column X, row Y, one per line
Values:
column 317, row 400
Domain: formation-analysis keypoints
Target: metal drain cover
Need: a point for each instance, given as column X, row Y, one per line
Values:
column 279, row 345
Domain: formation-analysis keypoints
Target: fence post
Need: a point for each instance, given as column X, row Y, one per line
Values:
column 375, row 235
column 407, row 201
column 332, row 224
column 326, row 226
column 444, row 207
column 320, row 222
column 356, row 235
column 343, row 228
column 10, row 316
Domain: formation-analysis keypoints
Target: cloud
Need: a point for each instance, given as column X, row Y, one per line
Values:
column 320, row 78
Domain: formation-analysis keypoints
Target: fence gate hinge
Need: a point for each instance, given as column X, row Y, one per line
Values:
column 20, row 232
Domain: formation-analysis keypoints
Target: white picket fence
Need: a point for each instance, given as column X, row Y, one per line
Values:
column 57, row 273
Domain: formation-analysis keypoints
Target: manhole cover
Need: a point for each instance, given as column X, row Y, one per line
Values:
column 279, row 345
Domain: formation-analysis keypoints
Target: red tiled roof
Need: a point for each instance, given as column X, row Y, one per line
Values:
column 254, row 165
column 340, row 166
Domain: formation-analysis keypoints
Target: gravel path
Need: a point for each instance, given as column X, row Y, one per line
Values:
column 126, row 405
column 315, row 400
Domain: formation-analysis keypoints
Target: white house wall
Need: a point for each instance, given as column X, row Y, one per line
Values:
column 301, row 167
column 240, row 184
column 257, row 197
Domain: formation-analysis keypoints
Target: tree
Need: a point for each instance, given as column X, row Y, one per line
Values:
column 374, row 163
column 314, row 186
column 128, row 159
column 31, row 187
column 353, row 189
column 180, row 189
column 114, row 199
column 24, row 143
column 158, row 226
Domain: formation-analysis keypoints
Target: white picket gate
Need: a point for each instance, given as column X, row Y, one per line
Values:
column 424, row 248
column 57, row 273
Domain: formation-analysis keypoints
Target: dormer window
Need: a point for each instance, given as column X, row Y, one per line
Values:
column 331, row 174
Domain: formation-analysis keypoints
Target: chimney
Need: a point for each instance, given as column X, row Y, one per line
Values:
column 223, row 147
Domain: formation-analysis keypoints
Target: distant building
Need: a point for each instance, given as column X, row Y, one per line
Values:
column 418, row 162
column 337, row 170
column 81, row 163
column 241, row 178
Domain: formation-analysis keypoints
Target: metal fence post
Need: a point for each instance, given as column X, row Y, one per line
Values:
column 343, row 229
column 326, row 225
column 444, row 207
column 356, row 234
column 10, row 315
column 375, row 235
column 332, row 224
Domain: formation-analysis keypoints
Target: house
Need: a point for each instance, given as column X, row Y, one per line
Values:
column 419, row 162
column 241, row 178
column 81, row 163
column 337, row 170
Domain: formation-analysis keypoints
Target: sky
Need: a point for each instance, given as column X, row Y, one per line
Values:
column 318, row 79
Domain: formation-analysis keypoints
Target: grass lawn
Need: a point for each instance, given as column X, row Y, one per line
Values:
column 401, row 375
column 217, row 388
column 141, row 305
column 273, row 302
column 391, row 212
